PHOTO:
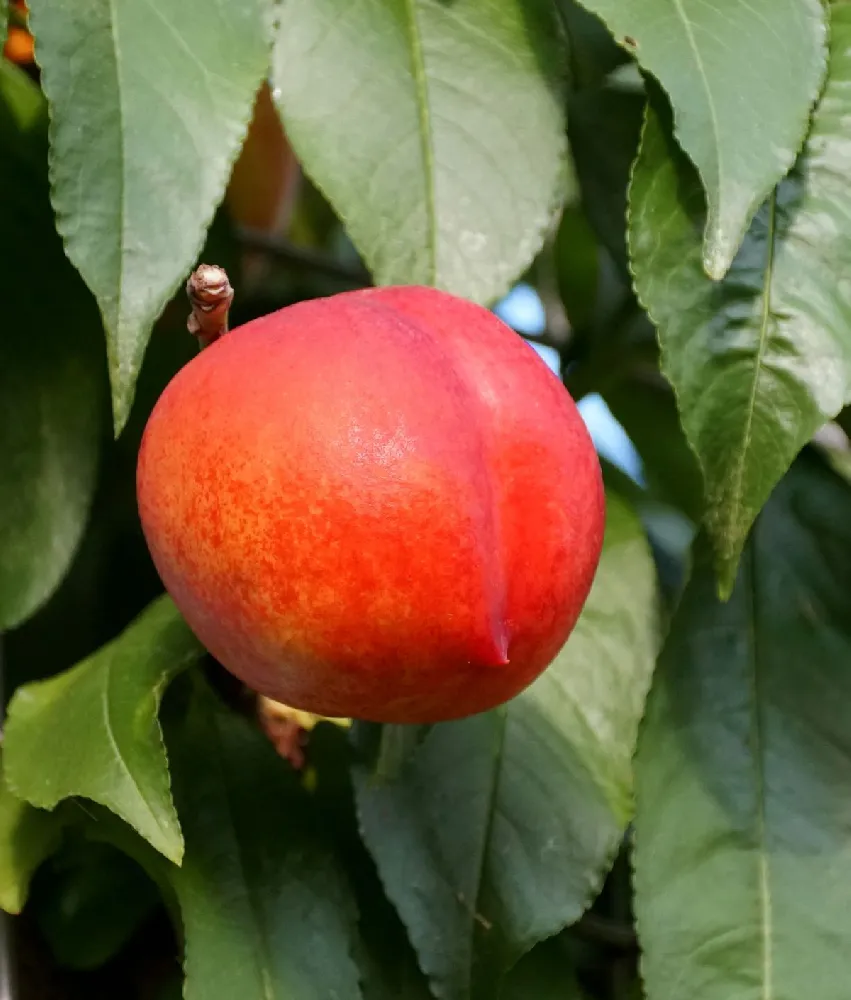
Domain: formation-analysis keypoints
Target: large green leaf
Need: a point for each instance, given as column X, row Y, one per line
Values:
column 93, row 730
column 266, row 913
column 51, row 371
column 498, row 830
column 435, row 129
column 27, row 836
column 742, row 78
column 760, row 360
column 743, row 774
column 149, row 105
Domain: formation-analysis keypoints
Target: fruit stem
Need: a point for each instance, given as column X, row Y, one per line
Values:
column 210, row 295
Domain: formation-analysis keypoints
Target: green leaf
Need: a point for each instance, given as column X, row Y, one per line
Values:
column 544, row 974
column 265, row 910
column 89, row 902
column 593, row 51
column 51, row 371
column 436, row 131
column 93, row 730
column 149, row 105
column 743, row 773
column 498, row 831
column 27, row 837
column 742, row 78
column 577, row 267
column 762, row 359
column 646, row 409
column 604, row 127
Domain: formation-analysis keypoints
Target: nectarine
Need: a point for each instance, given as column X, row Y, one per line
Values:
column 380, row 505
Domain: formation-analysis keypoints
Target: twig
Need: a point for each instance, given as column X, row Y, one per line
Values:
column 603, row 930
column 303, row 258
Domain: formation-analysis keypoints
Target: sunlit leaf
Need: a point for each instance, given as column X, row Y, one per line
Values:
column 93, row 731
column 760, row 360
column 149, row 105
column 742, row 78
column 435, row 129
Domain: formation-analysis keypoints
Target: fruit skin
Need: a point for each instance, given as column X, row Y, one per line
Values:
column 380, row 505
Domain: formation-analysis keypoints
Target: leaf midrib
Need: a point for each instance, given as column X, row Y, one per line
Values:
column 106, row 705
column 114, row 334
column 486, row 837
column 713, row 116
column 764, row 888
column 426, row 146
column 734, row 510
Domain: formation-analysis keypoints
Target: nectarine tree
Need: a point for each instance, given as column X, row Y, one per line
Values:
column 423, row 500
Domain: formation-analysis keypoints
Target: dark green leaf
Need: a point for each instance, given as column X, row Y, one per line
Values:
column 89, row 901
column 149, row 105
column 390, row 972
column 742, row 78
column 743, row 774
column 498, row 831
column 93, row 730
column 593, row 51
column 577, row 267
column 435, row 129
column 544, row 974
column 265, row 910
column 646, row 409
column 604, row 126
column 51, row 371
column 27, row 837
column 761, row 360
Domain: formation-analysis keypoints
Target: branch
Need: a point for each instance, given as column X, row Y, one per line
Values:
column 303, row 258
column 603, row 930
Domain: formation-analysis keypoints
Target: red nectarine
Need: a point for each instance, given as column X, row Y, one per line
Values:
column 380, row 505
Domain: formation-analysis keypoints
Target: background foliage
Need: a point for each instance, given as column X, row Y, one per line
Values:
column 668, row 186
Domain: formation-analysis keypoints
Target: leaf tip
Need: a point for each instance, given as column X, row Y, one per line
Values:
column 176, row 853
column 166, row 838
column 717, row 258
column 12, row 902
column 122, row 402
column 726, row 571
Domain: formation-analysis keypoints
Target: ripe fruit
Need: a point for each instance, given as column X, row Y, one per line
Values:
column 380, row 504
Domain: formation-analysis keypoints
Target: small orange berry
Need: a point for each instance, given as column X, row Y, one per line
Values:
column 19, row 46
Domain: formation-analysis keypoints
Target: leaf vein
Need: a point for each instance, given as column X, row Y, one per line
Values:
column 426, row 141
column 739, row 468
column 763, row 882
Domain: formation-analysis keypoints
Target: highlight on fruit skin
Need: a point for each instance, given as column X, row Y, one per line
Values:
column 379, row 505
